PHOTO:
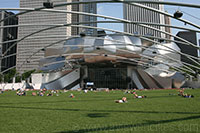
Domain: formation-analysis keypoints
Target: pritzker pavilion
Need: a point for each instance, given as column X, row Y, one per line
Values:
column 63, row 42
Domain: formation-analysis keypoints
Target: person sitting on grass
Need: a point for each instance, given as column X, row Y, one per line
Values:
column 23, row 93
column 57, row 93
column 1, row 91
column 85, row 91
column 71, row 95
column 136, row 95
column 181, row 92
column 123, row 100
column 41, row 94
column 18, row 93
column 34, row 94
column 49, row 94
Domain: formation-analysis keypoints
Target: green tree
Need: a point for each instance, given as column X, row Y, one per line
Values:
column 1, row 78
column 18, row 79
column 9, row 75
column 27, row 74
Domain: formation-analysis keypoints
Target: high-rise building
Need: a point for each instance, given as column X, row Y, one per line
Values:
column 89, row 8
column 167, row 29
column 199, row 50
column 27, row 47
column 187, row 49
column 135, row 13
column 7, row 34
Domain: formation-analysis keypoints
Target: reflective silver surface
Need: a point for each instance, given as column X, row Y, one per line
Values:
column 128, row 47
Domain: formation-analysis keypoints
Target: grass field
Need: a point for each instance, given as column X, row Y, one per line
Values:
column 97, row 112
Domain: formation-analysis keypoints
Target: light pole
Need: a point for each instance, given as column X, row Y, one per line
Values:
column 48, row 4
column 178, row 14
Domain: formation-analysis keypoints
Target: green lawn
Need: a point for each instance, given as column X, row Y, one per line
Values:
column 97, row 112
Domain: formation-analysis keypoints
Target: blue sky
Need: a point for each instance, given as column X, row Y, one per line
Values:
column 116, row 10
column 9, row 3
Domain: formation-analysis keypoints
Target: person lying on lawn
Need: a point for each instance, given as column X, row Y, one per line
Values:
column 187, row 96
column 123, row 100
column 137, row 96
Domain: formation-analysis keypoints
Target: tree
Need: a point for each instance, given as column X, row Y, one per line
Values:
column 18, row 79
column 9, row 75
column 27, row 74
column 1, row 78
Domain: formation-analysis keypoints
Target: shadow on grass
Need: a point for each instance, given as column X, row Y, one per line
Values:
column 97, row 115
column 128, row 126
column 106, row 111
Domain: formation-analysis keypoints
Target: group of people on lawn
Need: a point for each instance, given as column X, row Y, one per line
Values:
column 44, row 91
column 124, row 99
column 21, row 92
